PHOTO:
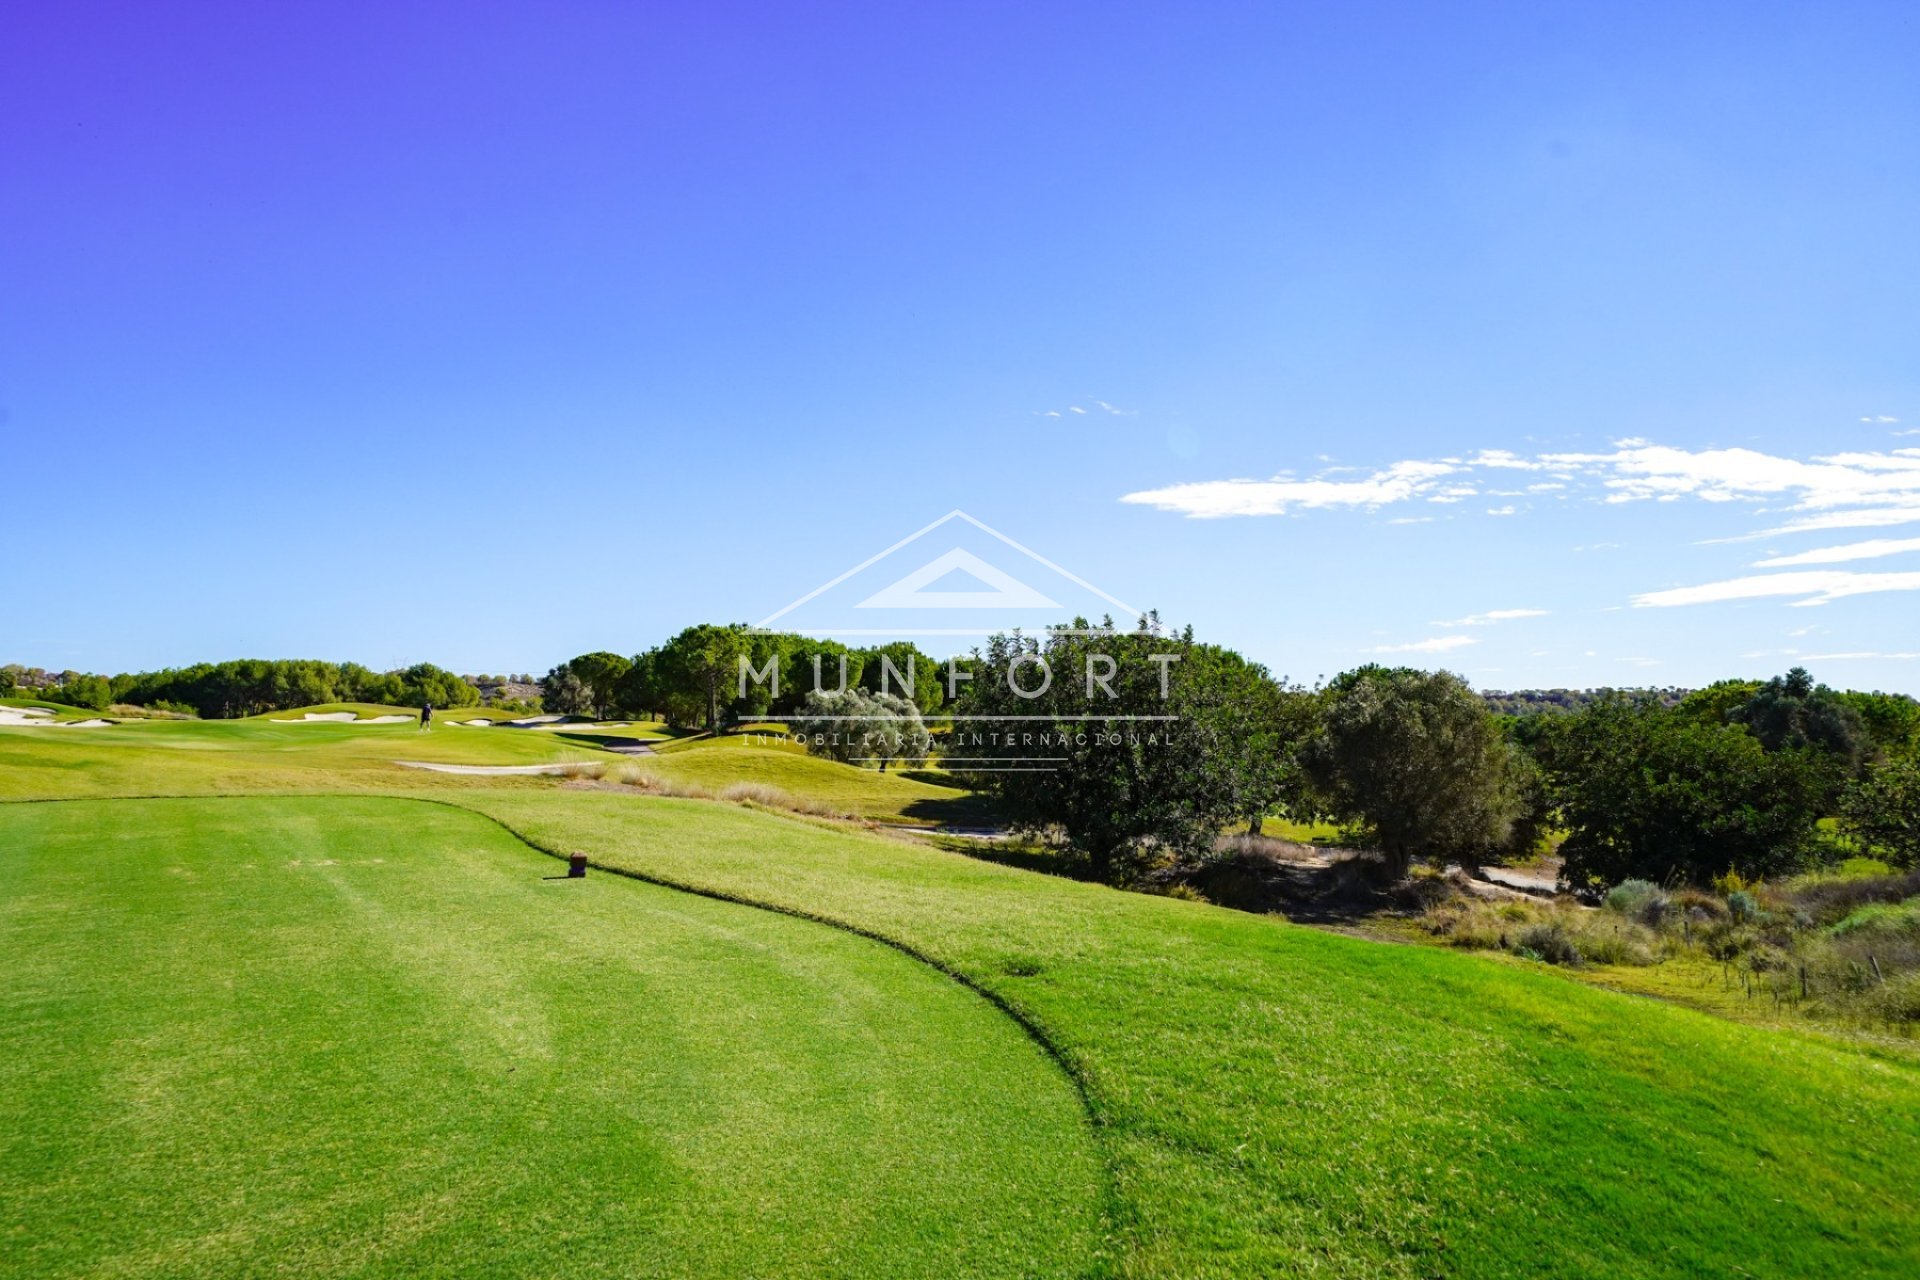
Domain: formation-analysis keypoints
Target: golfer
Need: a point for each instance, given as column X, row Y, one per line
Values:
column 426, row 716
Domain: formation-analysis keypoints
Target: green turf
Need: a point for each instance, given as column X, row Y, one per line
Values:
column 181, row 757
column 333, row 1036
column 365, row 710
column 1271, row 1099
column 887, row 797
column 1279, row 1100
column 61, row 711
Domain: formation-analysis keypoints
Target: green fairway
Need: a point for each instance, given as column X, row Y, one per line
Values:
column 217, row 757
column 1269, row 1099
column 193, row 757
column 330, row 1036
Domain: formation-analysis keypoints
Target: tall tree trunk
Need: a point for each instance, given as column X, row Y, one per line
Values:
column 1399, row 860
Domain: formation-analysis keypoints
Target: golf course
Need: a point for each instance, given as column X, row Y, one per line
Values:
column 277, row 1003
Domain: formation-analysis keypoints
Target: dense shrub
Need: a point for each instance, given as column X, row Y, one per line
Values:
column 1882, row 812
column 1640, row 900
column 1899, row 999
column 1549, row 941
column 1654, row 794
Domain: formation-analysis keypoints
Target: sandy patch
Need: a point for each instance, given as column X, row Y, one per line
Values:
column 38, row 717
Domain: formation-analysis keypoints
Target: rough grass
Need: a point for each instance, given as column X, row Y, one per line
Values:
column 1574, row 935
column 332, row 1036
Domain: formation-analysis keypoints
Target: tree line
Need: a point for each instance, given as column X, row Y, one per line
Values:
column 695, row 678
column 1141, row 746
column 1739, row 776
column 245, row 687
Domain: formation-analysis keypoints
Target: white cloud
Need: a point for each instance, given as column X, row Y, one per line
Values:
column 1435, row 644
column 1047, row 413
column 1881, row 417
column 1849, row 657
column 1492, row 616
column 1501, row 511
column 1074, row 408
column 1817, row 586
column 1212, row 499
column 1118, row 412
column 1872, row 549
column 1872, row 518
column 1835, row 485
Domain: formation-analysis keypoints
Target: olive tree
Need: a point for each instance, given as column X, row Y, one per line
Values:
column 1133, row 746
column 861, row 727
column 1415, row 759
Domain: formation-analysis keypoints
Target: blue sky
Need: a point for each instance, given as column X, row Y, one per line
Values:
column 490, row 334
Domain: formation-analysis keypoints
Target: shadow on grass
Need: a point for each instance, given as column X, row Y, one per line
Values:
column 1340, row 888
column 1015, row 853
column 607, row 742
column 965, row 809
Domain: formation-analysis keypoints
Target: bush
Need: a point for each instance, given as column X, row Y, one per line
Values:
column 1550, row 942
column 1742, row 907
column 1699, row 904
column 1640, row 900
column 1649, row 793
column 1882, row 812
column 1898, row 999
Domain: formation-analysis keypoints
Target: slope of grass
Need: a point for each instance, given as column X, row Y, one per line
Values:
column 61, row 711
column 325, row 1036
column 1276, row 1100
column 364, row 710
column 159, row 757
column 885, row 797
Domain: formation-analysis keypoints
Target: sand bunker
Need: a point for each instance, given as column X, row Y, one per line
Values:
column 345, row 717
column 40, row 716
